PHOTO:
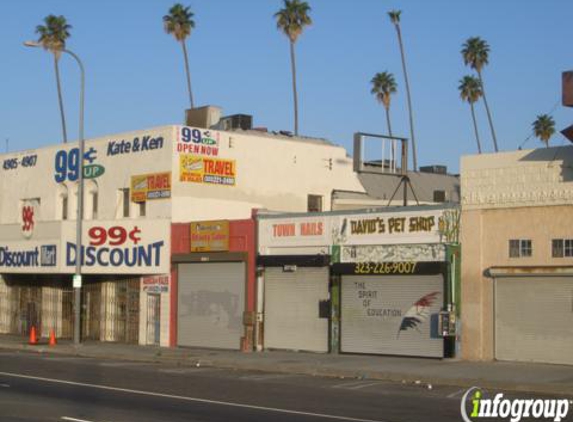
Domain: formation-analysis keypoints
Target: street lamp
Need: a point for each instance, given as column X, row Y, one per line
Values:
column 77, row 284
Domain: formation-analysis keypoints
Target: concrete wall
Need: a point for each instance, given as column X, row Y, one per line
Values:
column 516, row 195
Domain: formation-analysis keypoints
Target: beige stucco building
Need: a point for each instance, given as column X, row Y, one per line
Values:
column 517, row 271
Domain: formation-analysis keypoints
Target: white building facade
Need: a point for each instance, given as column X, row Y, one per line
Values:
column 136, row 185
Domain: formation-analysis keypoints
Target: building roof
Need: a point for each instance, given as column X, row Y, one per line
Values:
column 381, row 186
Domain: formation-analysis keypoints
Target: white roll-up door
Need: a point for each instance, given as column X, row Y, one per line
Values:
column 534, row 319
column 292, row 319
column 210, row 306
column 395, row 315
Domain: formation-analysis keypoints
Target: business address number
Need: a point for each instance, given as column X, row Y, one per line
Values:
column 385, row 268
column 14, row 163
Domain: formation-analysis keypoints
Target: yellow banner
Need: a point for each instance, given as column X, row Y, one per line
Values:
column 198, row 169
column 150, row 186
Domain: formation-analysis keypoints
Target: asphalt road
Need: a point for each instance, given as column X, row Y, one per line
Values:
column 55, row 388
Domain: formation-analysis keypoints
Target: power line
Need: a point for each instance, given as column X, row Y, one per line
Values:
column 532, row 132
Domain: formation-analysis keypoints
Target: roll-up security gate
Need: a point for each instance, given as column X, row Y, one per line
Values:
column 211, row 304
column 292, row 309
column 395, row 315
column 534, row 319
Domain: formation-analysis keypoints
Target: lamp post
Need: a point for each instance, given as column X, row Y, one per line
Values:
column 77, row 283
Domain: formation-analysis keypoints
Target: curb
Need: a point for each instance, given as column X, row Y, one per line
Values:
column 190, row 360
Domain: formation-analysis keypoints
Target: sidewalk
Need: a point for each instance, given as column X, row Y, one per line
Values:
column 524, row 377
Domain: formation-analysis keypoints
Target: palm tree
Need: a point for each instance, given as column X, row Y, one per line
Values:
column 292, row 20
column 179, row 23
column 470, row 91
column 544, row 128
column 395, row 18
column 475, row 52
column 53, row 35
column 383, row 86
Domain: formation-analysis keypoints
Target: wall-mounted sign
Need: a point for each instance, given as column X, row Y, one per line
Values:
column 23, row 256
column 150, row 186
column 210, row 236
column 137, row 144
column 197, row 169
column 196, row 141
column 116, row 247
column 67, row 165
column 155, row 284
column 16, row 162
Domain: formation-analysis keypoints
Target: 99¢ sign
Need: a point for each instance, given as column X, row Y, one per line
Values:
column 116, row 235
column 118, row 247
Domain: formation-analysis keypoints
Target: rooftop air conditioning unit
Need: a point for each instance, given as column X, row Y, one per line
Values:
column 236, row 121
column 435, row 169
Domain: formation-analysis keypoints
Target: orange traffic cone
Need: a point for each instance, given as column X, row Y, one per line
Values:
column 33, row 338
column 52, row 338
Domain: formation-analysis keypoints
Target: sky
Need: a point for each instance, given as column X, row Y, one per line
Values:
column 135, row 76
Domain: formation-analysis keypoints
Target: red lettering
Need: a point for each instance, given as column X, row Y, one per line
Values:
column 284, row 230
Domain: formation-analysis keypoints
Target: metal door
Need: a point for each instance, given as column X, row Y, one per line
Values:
column 153, row 318
column 211, row 304
column 534, row 319
column 396, row 315
column 292, row 303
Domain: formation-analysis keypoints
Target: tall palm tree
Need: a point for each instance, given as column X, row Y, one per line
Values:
column 383, row 86
column 475, row 52
column 292, row 20
column 395, row 18
column 179, row 23
column 53, row 35
column 470, row 91
column 544, row 128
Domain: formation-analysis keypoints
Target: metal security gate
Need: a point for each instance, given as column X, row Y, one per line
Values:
column 110, row 311
column 211, row 301
column 534, row 319
column 153, row 318
column 396, row 315
column 43, row 304
column 292, row 309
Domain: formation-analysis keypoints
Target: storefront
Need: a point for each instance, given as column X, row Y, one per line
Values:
column 36, row 284
column 377, row 282
column 294, row 259
column 213, row 263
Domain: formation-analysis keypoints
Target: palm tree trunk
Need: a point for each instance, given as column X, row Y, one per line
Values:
column 393, row 149
column 488, row 114
column 295, row 96
column 60, row 100
column 475, row 127
column 187, row 73
column 410, row 112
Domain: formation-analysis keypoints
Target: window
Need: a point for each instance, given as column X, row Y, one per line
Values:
column 314, row 203
column 520, row 248
column 142, row 209
column 65, row 207
column 562, row 248
column 95, row 199
column 439, row 196
column 124, row 202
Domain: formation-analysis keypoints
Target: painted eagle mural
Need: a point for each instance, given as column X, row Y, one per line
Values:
column 418, row 313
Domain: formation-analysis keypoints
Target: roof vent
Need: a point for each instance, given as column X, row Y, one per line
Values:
column 236, row 121
column 435, row 169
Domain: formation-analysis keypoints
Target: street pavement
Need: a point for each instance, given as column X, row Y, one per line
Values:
column 510, row 376
column 51, row 387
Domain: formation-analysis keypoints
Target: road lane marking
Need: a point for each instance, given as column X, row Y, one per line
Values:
column 67, row 418
column 364, row 385
column 189, row 399
column 455, row 394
